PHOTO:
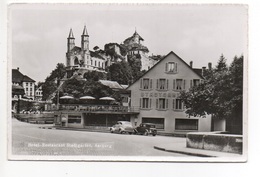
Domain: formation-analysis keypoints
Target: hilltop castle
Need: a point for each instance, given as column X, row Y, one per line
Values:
column 82, row 59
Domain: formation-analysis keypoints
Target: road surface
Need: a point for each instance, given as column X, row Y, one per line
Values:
column 29, row 139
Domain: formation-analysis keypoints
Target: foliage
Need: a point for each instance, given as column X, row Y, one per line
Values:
column 94, row 76
column 221, row 93
column 53, row 80
column 136, row 65
column 120, row 72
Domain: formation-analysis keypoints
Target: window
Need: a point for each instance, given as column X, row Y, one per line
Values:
column 26, row 89
column 26, row 84
column 159, row 122
column 162, row 84
column 171, row 67
column 194, row 82
column 146, row 83
column 145, row 103
column 161, row 103
column 30, row 89
column 95, row 63
column 179, row 84
column 91, row 61
column 30, row 84
column 178, row 104
column 74, row 119
column 186, row 124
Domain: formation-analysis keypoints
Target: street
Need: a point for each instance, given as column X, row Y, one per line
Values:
column 29, row 139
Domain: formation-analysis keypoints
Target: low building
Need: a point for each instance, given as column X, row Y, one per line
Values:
column 156, row 94
column 18, row 79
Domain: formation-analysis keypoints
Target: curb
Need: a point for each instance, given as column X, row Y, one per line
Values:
column 183, row 152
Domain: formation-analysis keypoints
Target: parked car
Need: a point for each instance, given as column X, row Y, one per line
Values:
column 146, row 129
column 122, row 127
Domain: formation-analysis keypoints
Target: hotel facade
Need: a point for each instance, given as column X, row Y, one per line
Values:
column 157, row 92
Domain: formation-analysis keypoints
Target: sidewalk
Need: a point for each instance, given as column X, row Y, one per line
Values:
column 178, row 146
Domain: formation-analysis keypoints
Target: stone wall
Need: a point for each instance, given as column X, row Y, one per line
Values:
column 215, row 141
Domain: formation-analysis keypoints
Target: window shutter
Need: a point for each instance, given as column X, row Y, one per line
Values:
column 191, row 83
column 150, row 102
column 157, row 83
column 167, row 103
column 166, row 67
column 141, row 83
column 151, row 83
column 173, row 104
column 140, row 102
column 184, row 84
column 167, row 84
column 176, row 67
column 157, row 103
column 174, row 84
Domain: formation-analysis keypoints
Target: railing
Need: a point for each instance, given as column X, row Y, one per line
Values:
column 98, row 108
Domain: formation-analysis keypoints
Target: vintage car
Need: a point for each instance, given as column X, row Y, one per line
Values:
column 146, row 129
column 122, row 127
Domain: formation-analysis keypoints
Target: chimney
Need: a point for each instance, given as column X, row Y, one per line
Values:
column 191, row 62
column 203, row 70
column 18, row 68
column 210, row 65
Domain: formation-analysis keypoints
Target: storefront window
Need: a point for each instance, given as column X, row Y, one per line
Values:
column 159, row 122
column 74, row 119
column 186, row 124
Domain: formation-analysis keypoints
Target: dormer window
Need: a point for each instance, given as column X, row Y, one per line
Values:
column 171, row 67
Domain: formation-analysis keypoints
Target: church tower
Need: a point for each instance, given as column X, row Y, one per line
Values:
column 71, row 41
column 85, row 47
column 85, row 39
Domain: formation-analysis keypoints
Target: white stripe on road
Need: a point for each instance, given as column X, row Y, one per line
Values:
column 29, row 136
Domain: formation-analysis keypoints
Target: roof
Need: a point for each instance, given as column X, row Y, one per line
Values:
column 17, row 87
column 27, row 79
column 18, row 77
column 96, row 55
column 124, row 86
column 198, row 71
column 160, row 62
column 111, row 84
column 85, row 32
column 128, row 39
column 71, row 34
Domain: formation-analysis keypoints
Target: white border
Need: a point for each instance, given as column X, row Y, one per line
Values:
column 147, row 169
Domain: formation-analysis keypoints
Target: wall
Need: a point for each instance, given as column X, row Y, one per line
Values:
column 184, row 72
column 215, row 142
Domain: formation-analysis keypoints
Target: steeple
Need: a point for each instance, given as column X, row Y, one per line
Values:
column 85, row 39
column 71, row 41
column 85, row 32
column 71, row 34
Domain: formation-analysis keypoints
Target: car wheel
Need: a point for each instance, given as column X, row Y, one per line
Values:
column 111, row 131
column 154, row 134
column 130, row 133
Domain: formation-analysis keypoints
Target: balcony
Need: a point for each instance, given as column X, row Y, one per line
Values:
column 98, row 108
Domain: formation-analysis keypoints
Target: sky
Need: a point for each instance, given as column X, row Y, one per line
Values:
column 199, row 33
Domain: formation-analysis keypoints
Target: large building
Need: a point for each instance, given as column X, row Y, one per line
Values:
column 82, row 59
column 156, row 94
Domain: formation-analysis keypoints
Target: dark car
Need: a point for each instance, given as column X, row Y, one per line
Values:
column 146, row 129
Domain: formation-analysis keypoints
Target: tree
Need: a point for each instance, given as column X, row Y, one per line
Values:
column 221, row 94
column 120, row 72
column 94, row 75
column 53, row 80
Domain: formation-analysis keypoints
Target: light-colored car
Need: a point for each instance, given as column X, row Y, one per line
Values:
column 122, row 127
